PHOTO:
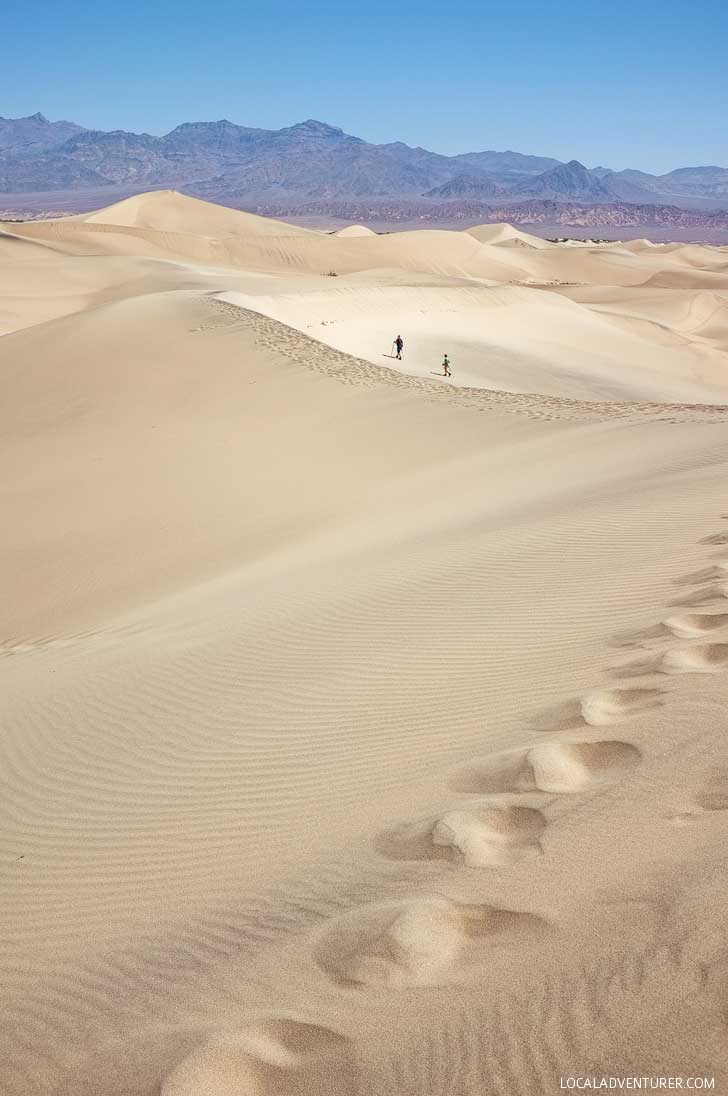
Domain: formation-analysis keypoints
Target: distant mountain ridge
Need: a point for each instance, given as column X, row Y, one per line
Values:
column 316, row 162
column 34, row 133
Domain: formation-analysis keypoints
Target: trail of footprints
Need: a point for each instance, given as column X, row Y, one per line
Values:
column 434, row 941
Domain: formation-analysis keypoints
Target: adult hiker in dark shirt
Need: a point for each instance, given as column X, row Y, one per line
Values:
column 399, row 344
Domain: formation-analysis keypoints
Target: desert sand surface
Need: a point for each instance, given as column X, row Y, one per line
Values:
column 362, row 732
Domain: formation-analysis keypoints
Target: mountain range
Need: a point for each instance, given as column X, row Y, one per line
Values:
column 313, row 162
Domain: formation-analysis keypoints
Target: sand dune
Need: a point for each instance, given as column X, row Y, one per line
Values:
column 168, row 211
column 508, row 236
column 39, row 283
column 698, row 315
column 516, row 318
column 183, row 228
column 362, row 734
column 354, row 230
column 488, row 333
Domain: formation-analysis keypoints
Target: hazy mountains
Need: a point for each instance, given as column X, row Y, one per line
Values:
column 313, row 162
column 221, row 160
column 563, row 182
column 33, row 134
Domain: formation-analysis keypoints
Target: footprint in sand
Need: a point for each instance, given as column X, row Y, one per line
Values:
column 570, row 767
column 271, row 1057
column 606, row 706
column 559, row 767
column 489, row 836
column 715, row 573
column 704, row 658
column 420, row 942
column 687, row 625
column 713, row 797
column 700, row 597
column 716, row 538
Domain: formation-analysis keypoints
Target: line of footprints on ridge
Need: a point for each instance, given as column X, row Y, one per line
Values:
column 433, row 941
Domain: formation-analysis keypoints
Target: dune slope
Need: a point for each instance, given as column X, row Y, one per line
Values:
column 640, row 323
column 360, row 735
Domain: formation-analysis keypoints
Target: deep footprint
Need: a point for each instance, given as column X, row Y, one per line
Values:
column 704, row 658
column 490, row 837
column 572, row 767
column 421, row 942
column 713, row 799
column 716, row 538
column 560, row 767
column 478, row 837
column 606, row 706
column 709, row 593
column 687, row 625
column 715, row 573
column 272, row 1057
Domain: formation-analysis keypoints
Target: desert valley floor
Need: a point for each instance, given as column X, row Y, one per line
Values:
column 363, row 732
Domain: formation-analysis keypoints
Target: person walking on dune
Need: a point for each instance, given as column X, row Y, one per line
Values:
column 399, row 343
column 446, row 367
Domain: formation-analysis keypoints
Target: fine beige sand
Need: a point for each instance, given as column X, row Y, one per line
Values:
column 362, row 732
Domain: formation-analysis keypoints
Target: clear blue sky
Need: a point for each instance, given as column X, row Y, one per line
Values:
column 626, row 84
